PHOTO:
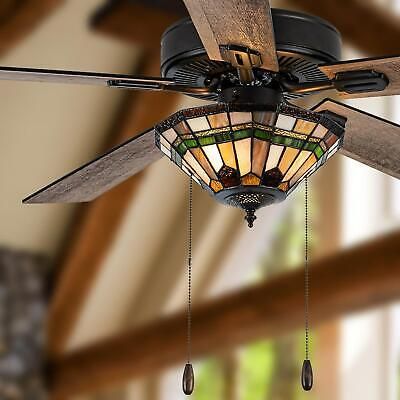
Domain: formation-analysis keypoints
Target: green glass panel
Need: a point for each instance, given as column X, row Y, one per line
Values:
column 287, row 141
column 242, row 134
column 318, row 152
column 206, row 140
column 310, row 146
column 223, row 137
column 190, row 143
column 182, row 149
column 260, row 134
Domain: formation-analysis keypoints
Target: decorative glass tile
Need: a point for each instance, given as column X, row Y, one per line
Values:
column 330, row 139
column 206, row 140
column 203, row 161
column 272, row 177
column 243, row 152
column 216, row 186
column 285, row 122
column 223, row 137
column 301, row 158
column 304, row 168
column 228, row 154
column 198, row 124
column 259, row 153
column 261, row 134
column 218, row 120
column 242, row 134
column 266, row 118
column 288, row 157
column 196, row 167
column 182, row 149
column 166, row 151
column 318, row 152
column 305, row 127
column 170, row 135
column 238, row 118
column 273, row 156
column 284, row 186
column 250, row 180
column 213, row 156
column 320, row 131
column 182, row 128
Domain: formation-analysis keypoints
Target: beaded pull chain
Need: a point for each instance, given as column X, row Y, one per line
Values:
column 307, row 372
column 188, row 373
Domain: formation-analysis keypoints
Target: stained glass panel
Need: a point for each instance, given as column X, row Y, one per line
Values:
column 243, row 151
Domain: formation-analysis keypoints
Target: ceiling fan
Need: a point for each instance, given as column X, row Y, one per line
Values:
column 250, row 147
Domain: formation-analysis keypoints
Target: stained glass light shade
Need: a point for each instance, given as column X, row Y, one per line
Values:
column 249, row 156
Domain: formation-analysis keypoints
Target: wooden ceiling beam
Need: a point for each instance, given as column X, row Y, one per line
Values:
column 19, row 18
column 98, row 222
column 138, row 21
column 353, row 280
column 368, row 27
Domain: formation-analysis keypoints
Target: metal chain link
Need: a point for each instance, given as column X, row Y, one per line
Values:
column 189, row 272
column 306, row 274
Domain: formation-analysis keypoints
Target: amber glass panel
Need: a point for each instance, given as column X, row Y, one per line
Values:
column 287, row 159
column 284, row 186
column 243, row 152
column 301, row 158
column 304, row 168
column 273, row 156
column 238, row 118
column 330, row 139
column 250, row 180
column 320, row 131
column 216, row 186
column 196, row 167
column 228, row 154
column 218, row 120
column 182, row 128
column 198, row 124
column 213, row 156
column 260, row 151
column 303, row 126
column 202, row 160
column 266, row 118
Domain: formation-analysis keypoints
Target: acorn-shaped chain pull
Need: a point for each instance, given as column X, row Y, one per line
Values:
column 307, row 378
column 188, row 373
column 188, row 380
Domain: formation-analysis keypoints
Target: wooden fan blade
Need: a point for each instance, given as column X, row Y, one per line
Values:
column 390, row 66
column 371, row 140
column 92, row 179
column 246, row 23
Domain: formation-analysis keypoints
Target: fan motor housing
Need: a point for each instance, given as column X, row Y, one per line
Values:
column 303, row 42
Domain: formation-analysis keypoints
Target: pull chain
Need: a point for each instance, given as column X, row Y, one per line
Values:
column 188, row 374
column 306, row 373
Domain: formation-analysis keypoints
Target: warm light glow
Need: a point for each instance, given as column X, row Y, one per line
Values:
column 249, row 146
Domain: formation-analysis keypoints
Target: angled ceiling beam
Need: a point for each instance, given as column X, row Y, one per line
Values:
column 356, row 279
column 99, row 221
column 369, row 27
column 19, row 18
column 138, row 21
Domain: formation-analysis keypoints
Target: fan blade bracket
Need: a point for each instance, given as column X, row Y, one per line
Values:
column 353, row 82
column 243, row 59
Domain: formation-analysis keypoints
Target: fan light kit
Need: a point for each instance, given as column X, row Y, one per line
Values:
column 251, row 147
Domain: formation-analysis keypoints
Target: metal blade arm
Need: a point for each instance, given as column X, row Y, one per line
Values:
column 96, row 78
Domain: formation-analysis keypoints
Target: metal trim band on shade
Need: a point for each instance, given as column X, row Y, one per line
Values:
column 249, row 148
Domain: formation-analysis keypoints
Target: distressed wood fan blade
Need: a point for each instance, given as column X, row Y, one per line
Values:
column 371, row 140
column 92, row 179
column 246, row 23
column 390, row 66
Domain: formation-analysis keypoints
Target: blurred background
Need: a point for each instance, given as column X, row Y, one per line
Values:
column 81, row 284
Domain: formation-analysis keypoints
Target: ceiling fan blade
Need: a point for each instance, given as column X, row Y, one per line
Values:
column 389, row 66
column 371, row 140
column 92, row 179
column 245, row 23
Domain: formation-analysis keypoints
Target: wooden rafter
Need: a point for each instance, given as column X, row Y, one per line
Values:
column 369, row 27
column 19, row 18
column 342, row 284
column 99, row 221
column 119, row 18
